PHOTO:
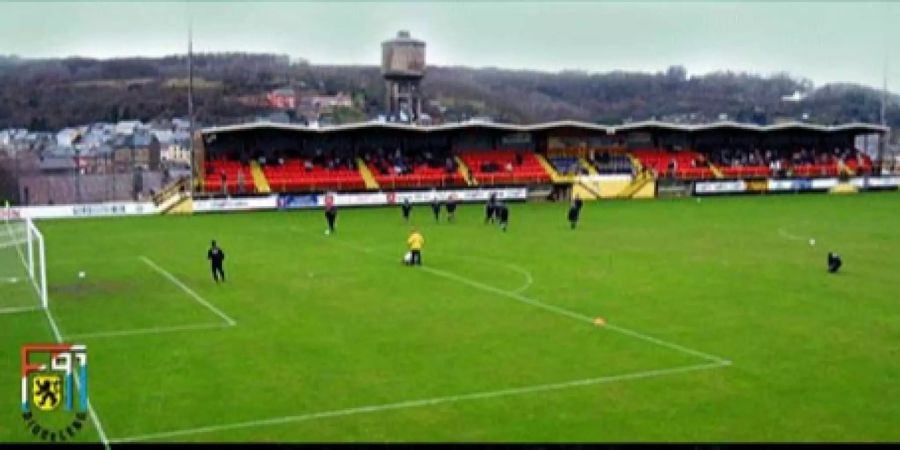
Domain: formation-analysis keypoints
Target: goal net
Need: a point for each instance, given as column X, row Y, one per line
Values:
column 23, row 276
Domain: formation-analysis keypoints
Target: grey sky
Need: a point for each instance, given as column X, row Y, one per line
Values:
column 824, row 41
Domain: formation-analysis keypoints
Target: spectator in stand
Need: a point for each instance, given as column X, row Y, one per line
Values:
column 450, row 165
column 224, row 179
column 673, row 167
column 308, row 165
column 509, row 167
column 519, row 158
column 240, row 181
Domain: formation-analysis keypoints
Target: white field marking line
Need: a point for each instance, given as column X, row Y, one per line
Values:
column 18, row 309
column 91, row 411
column 152, row 330
column 189, row 291
column 558, row 310
column 529, row 280
column 576, row 316
column 790, row 236
column 423, row 402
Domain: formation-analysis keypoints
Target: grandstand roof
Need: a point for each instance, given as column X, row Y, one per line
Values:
column 651, row 124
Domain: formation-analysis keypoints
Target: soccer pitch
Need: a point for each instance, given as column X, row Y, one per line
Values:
column 721, row 324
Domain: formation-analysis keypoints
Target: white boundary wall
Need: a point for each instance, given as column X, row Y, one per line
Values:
column 77, row 211
column 305, row 201
column 794, row 185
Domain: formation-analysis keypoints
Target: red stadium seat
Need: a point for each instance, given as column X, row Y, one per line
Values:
column 529, row 172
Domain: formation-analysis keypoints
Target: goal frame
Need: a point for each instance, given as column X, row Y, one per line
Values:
column 34, row 243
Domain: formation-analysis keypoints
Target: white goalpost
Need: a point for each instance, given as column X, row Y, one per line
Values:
column 23, row 269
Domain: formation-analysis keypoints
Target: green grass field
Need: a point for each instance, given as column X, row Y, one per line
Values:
column 722, row 324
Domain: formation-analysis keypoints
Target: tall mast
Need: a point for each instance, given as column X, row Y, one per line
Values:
column 885, row 136
column 190, row 67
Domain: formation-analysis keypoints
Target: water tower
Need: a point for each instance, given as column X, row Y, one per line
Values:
column 403, row 66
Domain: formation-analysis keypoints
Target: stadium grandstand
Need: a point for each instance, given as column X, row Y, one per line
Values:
column 267, row 157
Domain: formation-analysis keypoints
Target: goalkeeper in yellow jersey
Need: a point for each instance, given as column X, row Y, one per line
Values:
column 415, row 242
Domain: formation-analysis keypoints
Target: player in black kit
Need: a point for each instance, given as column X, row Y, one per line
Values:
column 490, row 209
column 834, row 262
column 575, row 211
column 330, row 216
column 436, row 207
column 451, row 207
column 216, row 258
column 406, row 207
column 502, row 213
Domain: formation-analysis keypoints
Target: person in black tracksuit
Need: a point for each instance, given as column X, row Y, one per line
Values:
column 330, row 217
column 575, row 211
column 502, row 213
column 406, row 208
column 216, row 258
column 451, row 208
column 436, row 208
column 490, row 209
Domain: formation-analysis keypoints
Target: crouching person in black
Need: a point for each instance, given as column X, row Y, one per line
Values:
column 834, row 262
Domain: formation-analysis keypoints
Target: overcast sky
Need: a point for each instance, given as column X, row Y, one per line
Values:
column 823, row 41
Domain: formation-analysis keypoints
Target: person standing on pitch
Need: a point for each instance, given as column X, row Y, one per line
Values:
column 575, row 211
column 451, row 208
column 330, row 213
column 502, row 213
column 216, row 258
column 490, row 209
column 415, row 241
column 436, row 206
column 406, row 207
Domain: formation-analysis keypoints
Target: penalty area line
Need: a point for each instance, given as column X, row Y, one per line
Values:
column 19, row 309
column 517, row 391
column 228, row 320
column 152, row 330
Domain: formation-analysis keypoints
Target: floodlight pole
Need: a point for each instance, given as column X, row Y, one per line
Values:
column 190, row 63
column 885, row 135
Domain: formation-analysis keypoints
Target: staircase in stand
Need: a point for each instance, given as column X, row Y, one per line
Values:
column 588, row 166
column 259, row 178
column 366, row 174
column 463, row 170
column 636, row 185
column 175, row 198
